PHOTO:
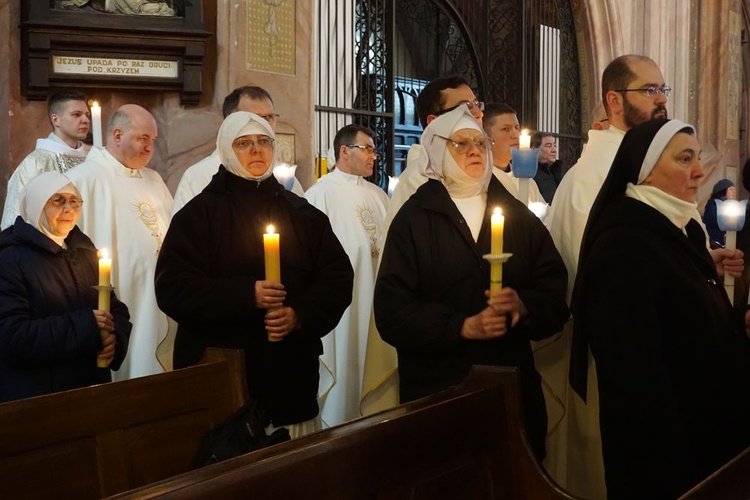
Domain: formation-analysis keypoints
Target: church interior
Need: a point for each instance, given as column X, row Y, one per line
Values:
column 326, row 64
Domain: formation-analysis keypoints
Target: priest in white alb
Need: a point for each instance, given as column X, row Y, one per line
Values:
column 356, row 209
column 126, row 210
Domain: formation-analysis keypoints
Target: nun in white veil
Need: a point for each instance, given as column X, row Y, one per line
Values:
column 432, row 299
column 49, row 318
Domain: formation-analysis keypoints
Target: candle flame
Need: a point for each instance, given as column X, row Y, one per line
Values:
column 497, row 211
column 103, row 254
column 95, row 104
column 525, row 132
column 270, row 229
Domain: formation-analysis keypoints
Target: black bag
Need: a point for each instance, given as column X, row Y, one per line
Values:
column 242, row 433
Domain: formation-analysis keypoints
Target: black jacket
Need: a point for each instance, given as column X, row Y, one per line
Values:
column 671, row 356
column 205, row 279
column 49, row 339
column 433, row 277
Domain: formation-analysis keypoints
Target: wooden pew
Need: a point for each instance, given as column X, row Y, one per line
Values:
column 466, row 442
column 101, row 440
column 731, row 482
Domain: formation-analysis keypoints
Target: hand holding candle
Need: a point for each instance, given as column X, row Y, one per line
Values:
column 104, row 288
column 96, row 124
column 271, row 251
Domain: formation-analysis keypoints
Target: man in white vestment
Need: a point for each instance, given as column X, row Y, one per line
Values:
column 60, row 151
column 126, row 210
column 196, row 177
column 500, row 123
column 356, row 209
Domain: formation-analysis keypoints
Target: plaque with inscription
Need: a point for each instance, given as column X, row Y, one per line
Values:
column 88, row 48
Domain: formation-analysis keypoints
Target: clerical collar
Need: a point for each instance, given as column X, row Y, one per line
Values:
column 54, row 144
column 346, row 177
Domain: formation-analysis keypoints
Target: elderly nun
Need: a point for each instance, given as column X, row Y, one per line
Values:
column 210, row 276
column 671, row 358
column 432, row 299
column 50, row 323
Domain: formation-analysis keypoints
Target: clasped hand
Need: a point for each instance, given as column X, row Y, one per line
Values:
column 492, row 322
column 105, row 321
column 280, row 320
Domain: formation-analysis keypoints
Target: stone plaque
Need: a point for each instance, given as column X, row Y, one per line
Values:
column 77, row 65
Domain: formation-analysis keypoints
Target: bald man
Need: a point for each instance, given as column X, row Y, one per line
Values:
column 126, row 210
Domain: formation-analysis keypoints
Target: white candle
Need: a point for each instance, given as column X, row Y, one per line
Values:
column 524, row 140
column 96, row 124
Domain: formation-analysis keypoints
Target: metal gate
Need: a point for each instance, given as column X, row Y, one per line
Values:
column 375, row 56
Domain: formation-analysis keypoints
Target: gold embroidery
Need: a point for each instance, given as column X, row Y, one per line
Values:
column 367, row 219
column 150, row 218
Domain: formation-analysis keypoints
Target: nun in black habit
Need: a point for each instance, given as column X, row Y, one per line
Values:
column 671, row 355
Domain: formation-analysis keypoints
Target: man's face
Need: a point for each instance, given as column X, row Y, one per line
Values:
column 72, row 125
column 135, row 144
column 505, row 131
column 548, row 150
column 358, row 161
column 261, row 107
column 460, row 95
column 638, row 107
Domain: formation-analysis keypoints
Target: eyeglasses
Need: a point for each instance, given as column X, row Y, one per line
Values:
column 370, row 150
column 464, row 145
column 479, row 105
column 61, row 201
column 270, row 118
column 651, row 90
column 245, row 144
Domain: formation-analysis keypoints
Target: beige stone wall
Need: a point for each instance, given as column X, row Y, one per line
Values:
column 186, row 134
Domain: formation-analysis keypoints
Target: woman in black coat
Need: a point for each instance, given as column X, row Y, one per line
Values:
column 432, row 298
column 49, row 318
column 671, row 356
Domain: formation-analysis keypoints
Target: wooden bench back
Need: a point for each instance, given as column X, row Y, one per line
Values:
column 466, row 442
column 101, row 440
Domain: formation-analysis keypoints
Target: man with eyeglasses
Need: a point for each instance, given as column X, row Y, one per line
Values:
column 195, row 179
column 60, row 151
column 633, row 92
column 127, row 211
column 500, row 123
column 439, row 96
column 356, row 209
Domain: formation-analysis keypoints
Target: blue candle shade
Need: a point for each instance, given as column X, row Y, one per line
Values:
column 730, row 214
column 524, row 162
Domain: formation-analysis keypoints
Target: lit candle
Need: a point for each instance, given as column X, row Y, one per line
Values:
column 524, row 140
column 497, row 223
column 271, row 252
column 96, row 124
column 285, row 175
column 730, row 217
column 105, row 272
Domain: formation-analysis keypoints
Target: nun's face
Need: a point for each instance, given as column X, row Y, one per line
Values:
column 468, row 148
column 678, row 171
column 62, row 211
column 254, row 153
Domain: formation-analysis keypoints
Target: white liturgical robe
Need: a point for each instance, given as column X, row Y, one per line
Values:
column 356, row 209
column 51, row 154
column 197, row 176
column 127, row 212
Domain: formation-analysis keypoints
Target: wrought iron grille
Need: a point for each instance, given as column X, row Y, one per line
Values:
column 375, row 56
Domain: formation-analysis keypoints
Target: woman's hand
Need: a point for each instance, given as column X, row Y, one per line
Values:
column 486, row 325
column 108, row 352
column 269, row 294
column 507, row 301
column 280, row 322
column 104, row 320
